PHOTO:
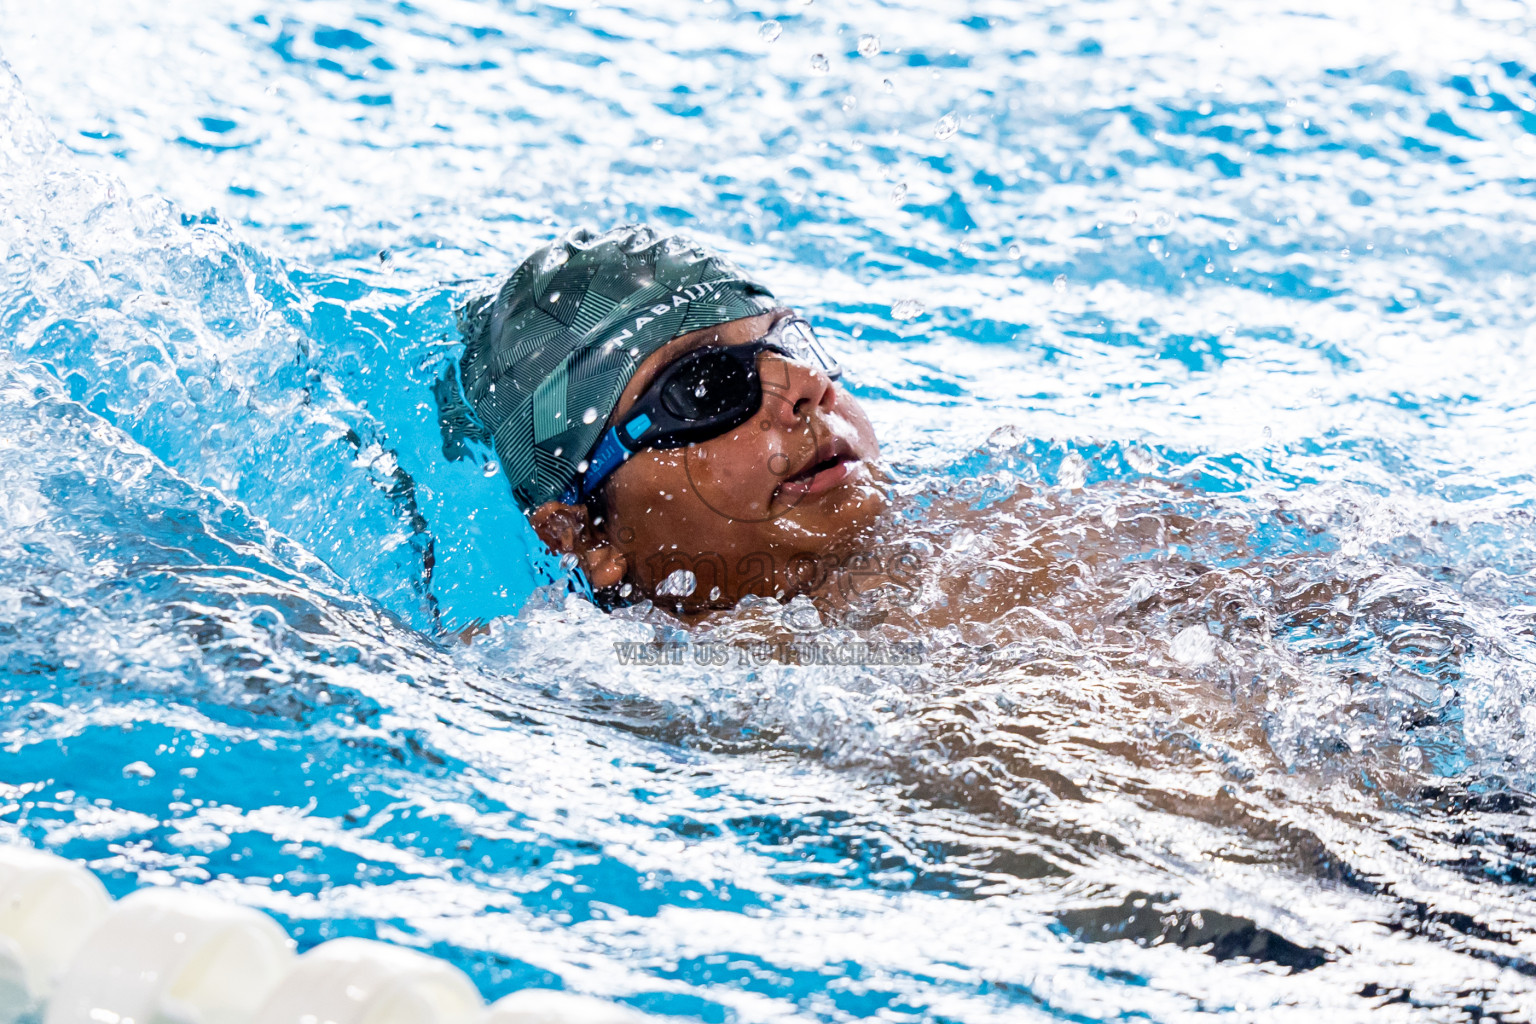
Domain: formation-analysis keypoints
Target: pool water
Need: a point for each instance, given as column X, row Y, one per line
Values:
column 1226, row 309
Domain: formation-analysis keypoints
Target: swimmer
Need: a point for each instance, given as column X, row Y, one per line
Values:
column 681, row 437
column 659, row 415
column 667, row 425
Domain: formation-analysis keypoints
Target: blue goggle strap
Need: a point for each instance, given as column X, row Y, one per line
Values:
column 611, row 453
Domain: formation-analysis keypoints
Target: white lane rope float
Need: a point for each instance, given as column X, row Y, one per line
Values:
column 69, row 954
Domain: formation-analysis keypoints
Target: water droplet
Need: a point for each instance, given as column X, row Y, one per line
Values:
column 899, row 192
column 144, row 374
column 849, row 102
column 490, row 468
column 1155, row 247
column 887, row 85
column 947, row 126
column 581, row 467
column 869, row 45
column 1486, row 582
column 802, row 616
column 1074, row 471
column 557, row 257
column 908, row 309
column 554, row 297
column 701, row 390
column 1006, row 437
column 714, row 593
column 819, row 63
column 770, row 30
column 1194, row 646
column 559, row 452
column 568, row 561
column 1140, row 459
column 590, row 416
column 1015, row 251
column 679, row 584
column 858, row 331
column 1060, row 283
column 626, row 590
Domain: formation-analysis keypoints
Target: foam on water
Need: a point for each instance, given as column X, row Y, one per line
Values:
column 1198, row 339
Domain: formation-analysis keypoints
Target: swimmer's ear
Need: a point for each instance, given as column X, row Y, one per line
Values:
column 605, row 566
column 565, row 530
column 561, row 527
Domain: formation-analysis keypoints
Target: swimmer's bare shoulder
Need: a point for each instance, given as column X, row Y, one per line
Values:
column 983, row 564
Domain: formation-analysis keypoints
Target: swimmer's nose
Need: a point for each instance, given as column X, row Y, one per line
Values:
column 809, row 388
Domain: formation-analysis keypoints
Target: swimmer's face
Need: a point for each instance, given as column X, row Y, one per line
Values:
column 766, row 508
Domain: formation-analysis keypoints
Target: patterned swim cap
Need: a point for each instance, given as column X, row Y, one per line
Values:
column 549, row 354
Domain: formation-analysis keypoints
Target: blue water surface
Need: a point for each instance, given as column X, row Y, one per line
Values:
column 1227, row 308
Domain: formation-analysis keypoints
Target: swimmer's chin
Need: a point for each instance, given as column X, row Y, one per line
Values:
column 841, row 519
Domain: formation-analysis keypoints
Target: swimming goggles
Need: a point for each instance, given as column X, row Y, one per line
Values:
column 698, row 396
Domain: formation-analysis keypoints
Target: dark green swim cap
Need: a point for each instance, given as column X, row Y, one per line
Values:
column 549, row 354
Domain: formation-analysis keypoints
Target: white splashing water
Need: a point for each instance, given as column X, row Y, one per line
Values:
column 1243, row 623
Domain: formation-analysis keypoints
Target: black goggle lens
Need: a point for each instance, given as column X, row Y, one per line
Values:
column 705, row 385
column 711, row 390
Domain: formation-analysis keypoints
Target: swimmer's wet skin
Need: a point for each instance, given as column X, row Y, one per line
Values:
column 658, row 413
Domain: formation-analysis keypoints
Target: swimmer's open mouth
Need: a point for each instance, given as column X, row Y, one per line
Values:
column 831, row 464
